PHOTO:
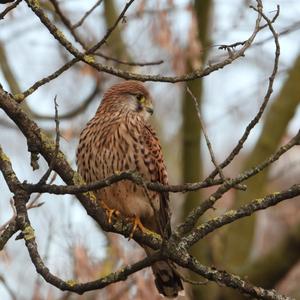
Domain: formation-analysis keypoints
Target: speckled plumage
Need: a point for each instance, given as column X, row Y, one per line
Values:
column 119, row 138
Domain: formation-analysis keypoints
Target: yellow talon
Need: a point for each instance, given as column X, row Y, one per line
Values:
column 109, row 211
column 112, row 212
column 138, row 224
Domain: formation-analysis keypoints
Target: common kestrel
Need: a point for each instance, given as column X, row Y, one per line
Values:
column 119, row 138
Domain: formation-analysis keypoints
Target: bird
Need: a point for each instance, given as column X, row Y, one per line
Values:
column 119, row 138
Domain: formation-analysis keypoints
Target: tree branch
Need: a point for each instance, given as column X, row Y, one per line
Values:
column 232, row 281
column 80, row 22
column 263, row 106
column 208, row 203
column 57, row 33
column 125, row 74
column 244, row 211
column 132, row 176
column 128, row 63
column 76, row 111
column 9, row 8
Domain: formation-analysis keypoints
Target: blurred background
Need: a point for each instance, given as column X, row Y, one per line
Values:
column 184, row 35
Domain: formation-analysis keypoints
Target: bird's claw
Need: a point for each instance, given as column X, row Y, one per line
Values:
column 110, row 212
column 136, row 222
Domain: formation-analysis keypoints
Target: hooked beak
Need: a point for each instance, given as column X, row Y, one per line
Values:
column 149, row 109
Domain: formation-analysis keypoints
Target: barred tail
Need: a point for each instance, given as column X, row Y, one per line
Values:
column 167, row 281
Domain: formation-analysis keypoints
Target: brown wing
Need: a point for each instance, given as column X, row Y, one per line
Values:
column 159, row 174
column 167, row 280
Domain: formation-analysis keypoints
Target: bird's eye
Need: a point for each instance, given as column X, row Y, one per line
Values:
column 140, row 98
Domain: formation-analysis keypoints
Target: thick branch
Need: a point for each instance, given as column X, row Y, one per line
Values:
column 231, row 281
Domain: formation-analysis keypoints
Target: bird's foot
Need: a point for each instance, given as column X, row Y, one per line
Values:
column 110, row 212
column 136, row 222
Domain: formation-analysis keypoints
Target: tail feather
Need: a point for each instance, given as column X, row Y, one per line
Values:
column 167, row 281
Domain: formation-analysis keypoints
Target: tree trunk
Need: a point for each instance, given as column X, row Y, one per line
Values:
column 191, row 133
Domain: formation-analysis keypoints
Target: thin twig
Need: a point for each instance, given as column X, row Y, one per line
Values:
column 128, row 63
column 262, row 108
column 12, row 220
column 295, row 26
column 234, row 45
column 72, row 285
column 74, row 112
column 35, row 86
column 67, row 23
column 208, row 143
column 53, row 161
column 80, row 22
column 9, row 8
column 4, row 225
column 32, row 203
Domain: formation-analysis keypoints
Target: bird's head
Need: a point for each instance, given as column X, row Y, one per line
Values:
column 128, row 96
